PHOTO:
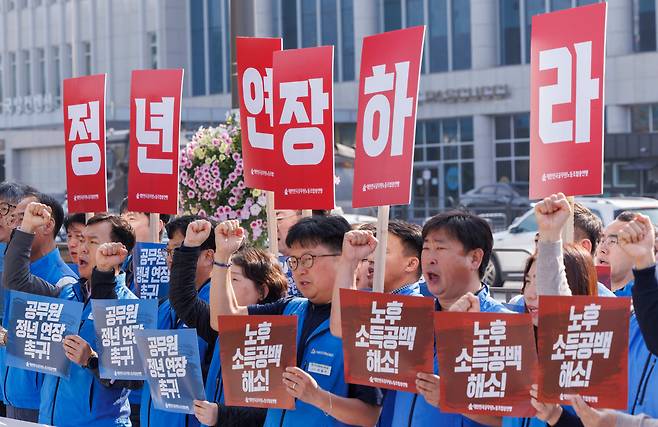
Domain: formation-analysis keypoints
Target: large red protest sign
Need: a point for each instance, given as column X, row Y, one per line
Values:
column 254, row 353
column 155, row 108
column 487, row 363
column 84, row 133
column 566, row 101
column 387, row 339
column 583, row 349
column 304, row 128
column 386, row 124
column 254, row 63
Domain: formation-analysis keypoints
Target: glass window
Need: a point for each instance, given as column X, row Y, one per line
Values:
column 433, row 131
column 654, row 118
column 309, row 23
column 198, row 48
column 153, row 49
column 503, row 149
column 640, row 118
column 504, row 171
column 86, row 60
column 522, row 148
column 461, row 35
column 512, row 147
column 434, row 153
column 450, row 130
column 529, row 224
column 41, row 71
column 521, row 170
column 623, row 177
column 27, row 74
column 560, row 4
column 328, row 8
column 585, row 2
column 1, row 84
column 56, row 70
column 392, row 15
column 347, row 29
column 522, row 125
column 510, row 32
column 466, row 128
column 438, row 41
column 503, row 128
column 215, row 30
column 532, row 8
column 644, row 31
column 289, row 23
column 415, row 13
column 489, row 189
column 468, row 176
column 607, row 174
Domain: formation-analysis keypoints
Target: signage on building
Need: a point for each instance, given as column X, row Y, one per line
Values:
column 466, row 94
column 31, row 104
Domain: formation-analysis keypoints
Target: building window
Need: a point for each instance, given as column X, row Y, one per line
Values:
column 448, row 45
column 515, row 25
column 41, row 71
column 2, row 85
column 644, row 25
column 27, row 72
column 323, row 22
column 57, row 70
column 512, row 148
column 644, row 118
column 13, row 75
column 210, row 47
column 153, row 49
column 68, row 69
column 86, row 59
column 623, row 176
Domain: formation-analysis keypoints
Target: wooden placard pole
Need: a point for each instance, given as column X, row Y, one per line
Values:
column 306, row 213
column 271, row 224
column 380, row 251
column 154, row 222
column 568, row 229
column 88, row 215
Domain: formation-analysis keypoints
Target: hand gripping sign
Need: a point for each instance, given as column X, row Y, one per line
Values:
column 566, row 101
column 254, row 63
column 84, row 136
column 304, row 128
column 255, row 351
column 583, row 349
column 37, row 327
column 155, row 106
column 386, row 125
column 387, row 339
column 487, row 363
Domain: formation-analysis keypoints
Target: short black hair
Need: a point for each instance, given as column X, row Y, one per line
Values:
column 626, row 216
column 13, row 192
column 74, row 218
column 319, row 230
column 180, row 224
column 470, row 230
column 124, row 208
column 587, row 224
column 122, row 231
column 410, row 234
column 57, row 212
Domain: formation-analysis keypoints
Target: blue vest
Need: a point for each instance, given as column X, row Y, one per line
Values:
column 642, row 374
column 322, row 350
column 81, row 399
column 214, row 386
column 21, row 388
column 626, row 290
column 149, row 416
column 413, row 410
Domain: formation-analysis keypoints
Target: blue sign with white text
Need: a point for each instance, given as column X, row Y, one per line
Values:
column 151, row 272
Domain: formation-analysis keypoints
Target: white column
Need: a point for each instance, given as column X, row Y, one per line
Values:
column 620, row 27
column 366, row 22
column 264, row 25
column 483, row 135
column 484, row 34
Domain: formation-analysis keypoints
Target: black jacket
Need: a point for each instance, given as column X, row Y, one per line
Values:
column 645, row 301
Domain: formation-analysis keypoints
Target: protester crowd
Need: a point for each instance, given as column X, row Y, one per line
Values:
column 215, row 271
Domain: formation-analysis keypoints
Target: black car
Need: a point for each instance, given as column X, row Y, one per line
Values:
column 496, row 195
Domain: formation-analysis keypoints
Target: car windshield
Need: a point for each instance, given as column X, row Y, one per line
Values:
column 652, row 213
column 528, row 224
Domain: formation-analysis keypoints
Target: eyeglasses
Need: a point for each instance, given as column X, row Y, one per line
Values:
column 5, row 208
column 305, row 260
column 610, row 240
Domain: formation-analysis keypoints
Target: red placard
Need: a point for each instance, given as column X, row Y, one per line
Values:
column 155, row 106
column 386, row 125
column 84, row 136
column 487, row 363
column 254, row 63
column 567, row 63
column 387, row 339
column 603, row 275
column 583, row 349
column 304, row 128
column 255, row 352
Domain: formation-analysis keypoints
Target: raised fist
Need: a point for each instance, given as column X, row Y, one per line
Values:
column 468, row 303
column 197, row 233
column 636, row 238
column 36, row 215
column 110, row 255
column 228, row 238
column 358, row 245
column 551, row 214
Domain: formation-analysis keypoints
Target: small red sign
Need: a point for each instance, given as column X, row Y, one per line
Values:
column 583, row 349
column 304, row 128
column 386, row 124
column 567, row 75
column 255, row 352
column 487, row 363
column 155, row 109
column 387, row 339
column 254, row 63
column 84, row 136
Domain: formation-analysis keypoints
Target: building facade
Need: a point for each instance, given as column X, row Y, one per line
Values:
column 473, row 114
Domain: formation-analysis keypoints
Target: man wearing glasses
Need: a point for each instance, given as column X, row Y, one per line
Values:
column 317, row 382
column 609, row 253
